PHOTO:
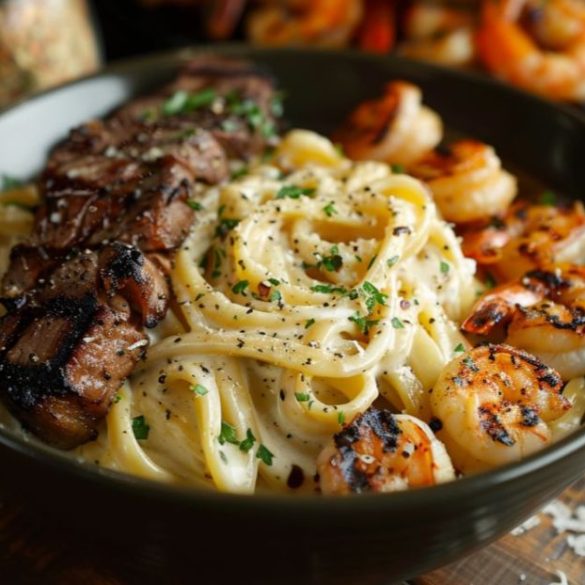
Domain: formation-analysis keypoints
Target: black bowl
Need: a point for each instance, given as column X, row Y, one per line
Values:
column 173, row 535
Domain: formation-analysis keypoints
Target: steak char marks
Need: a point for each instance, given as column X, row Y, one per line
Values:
column 80, row 291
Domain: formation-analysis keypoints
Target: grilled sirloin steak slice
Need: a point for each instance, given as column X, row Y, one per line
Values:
column 237, row 97
column 93, row 274
column 66, row 350
column 135, row 191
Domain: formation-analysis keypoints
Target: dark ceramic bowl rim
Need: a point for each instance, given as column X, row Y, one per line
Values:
column 290, row 504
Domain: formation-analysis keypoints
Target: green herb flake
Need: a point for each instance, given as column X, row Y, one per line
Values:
column 117, row 398
column 239, row 173
column 373, row 296
column 176, row 103
column 392, row 261
column 227, row 434
column 183, row 102
column 7, row 182
column 309, row 322
column 398, row 169
column 264, row 455
column 329, row 288
column 275, row 296
column 199, row 390
column 248, row 442
column 397, row 323
column 333, row 262
column 341, row 417
column 274, row 281
column 302, row 396
column 225, row 225
column 548, row 198
column 363, row 323
column 229, row 126
column 459, row 348
column 195, row 205
column 294, row 192
column 140, row 428
column 251, row 112
column 329, row 209
column 444, row 267
column 240, row 287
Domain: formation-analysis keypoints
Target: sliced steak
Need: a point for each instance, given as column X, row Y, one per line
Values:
column 233, row 100
column 94, row 272
column 66, row 351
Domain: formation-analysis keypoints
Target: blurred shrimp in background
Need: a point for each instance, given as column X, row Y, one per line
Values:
column 538, row 45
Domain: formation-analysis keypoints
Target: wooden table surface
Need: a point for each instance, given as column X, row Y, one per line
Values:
column 33, row 554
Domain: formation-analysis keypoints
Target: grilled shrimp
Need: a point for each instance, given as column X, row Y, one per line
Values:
column 439, row 34
column 383, row 452
column 526, row 238
column 547, row 56
column 543, row 313
column 326, row 23
column 395, row 128
column 467, row 181
column 494, row 404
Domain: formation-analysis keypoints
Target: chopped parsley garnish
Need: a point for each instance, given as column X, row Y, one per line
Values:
column 341, row 417
column 240, row 287
column 194, row 205
column 274, row 281
column 371, row 262
column 182, row 102
column 229, row 125
column 294, row 192
column 459, row 348
column 239, row 173
column 373, row 296
column 398, row 169
column 248, row 442
column 275, row 296
column 309, row 322
column 548, row 198
column 199, row 390
column 397, row 323
column 140, row 428
column 329, row 288
column 117, row 398
column 227, row 434
column 333, row 262
column 251, row 112
column 264, row 455
column 225, row 225
column 329, row 209
column 302, row 396
column 7, row 182
column 391, row 261
column 444, row 267
column 363, row 323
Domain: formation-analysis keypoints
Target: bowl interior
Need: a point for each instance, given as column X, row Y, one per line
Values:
column 321, row 87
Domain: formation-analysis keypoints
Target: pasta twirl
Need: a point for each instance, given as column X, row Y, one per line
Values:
column 302, row 299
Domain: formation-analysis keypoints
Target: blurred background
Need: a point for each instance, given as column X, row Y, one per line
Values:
column 535, row 44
